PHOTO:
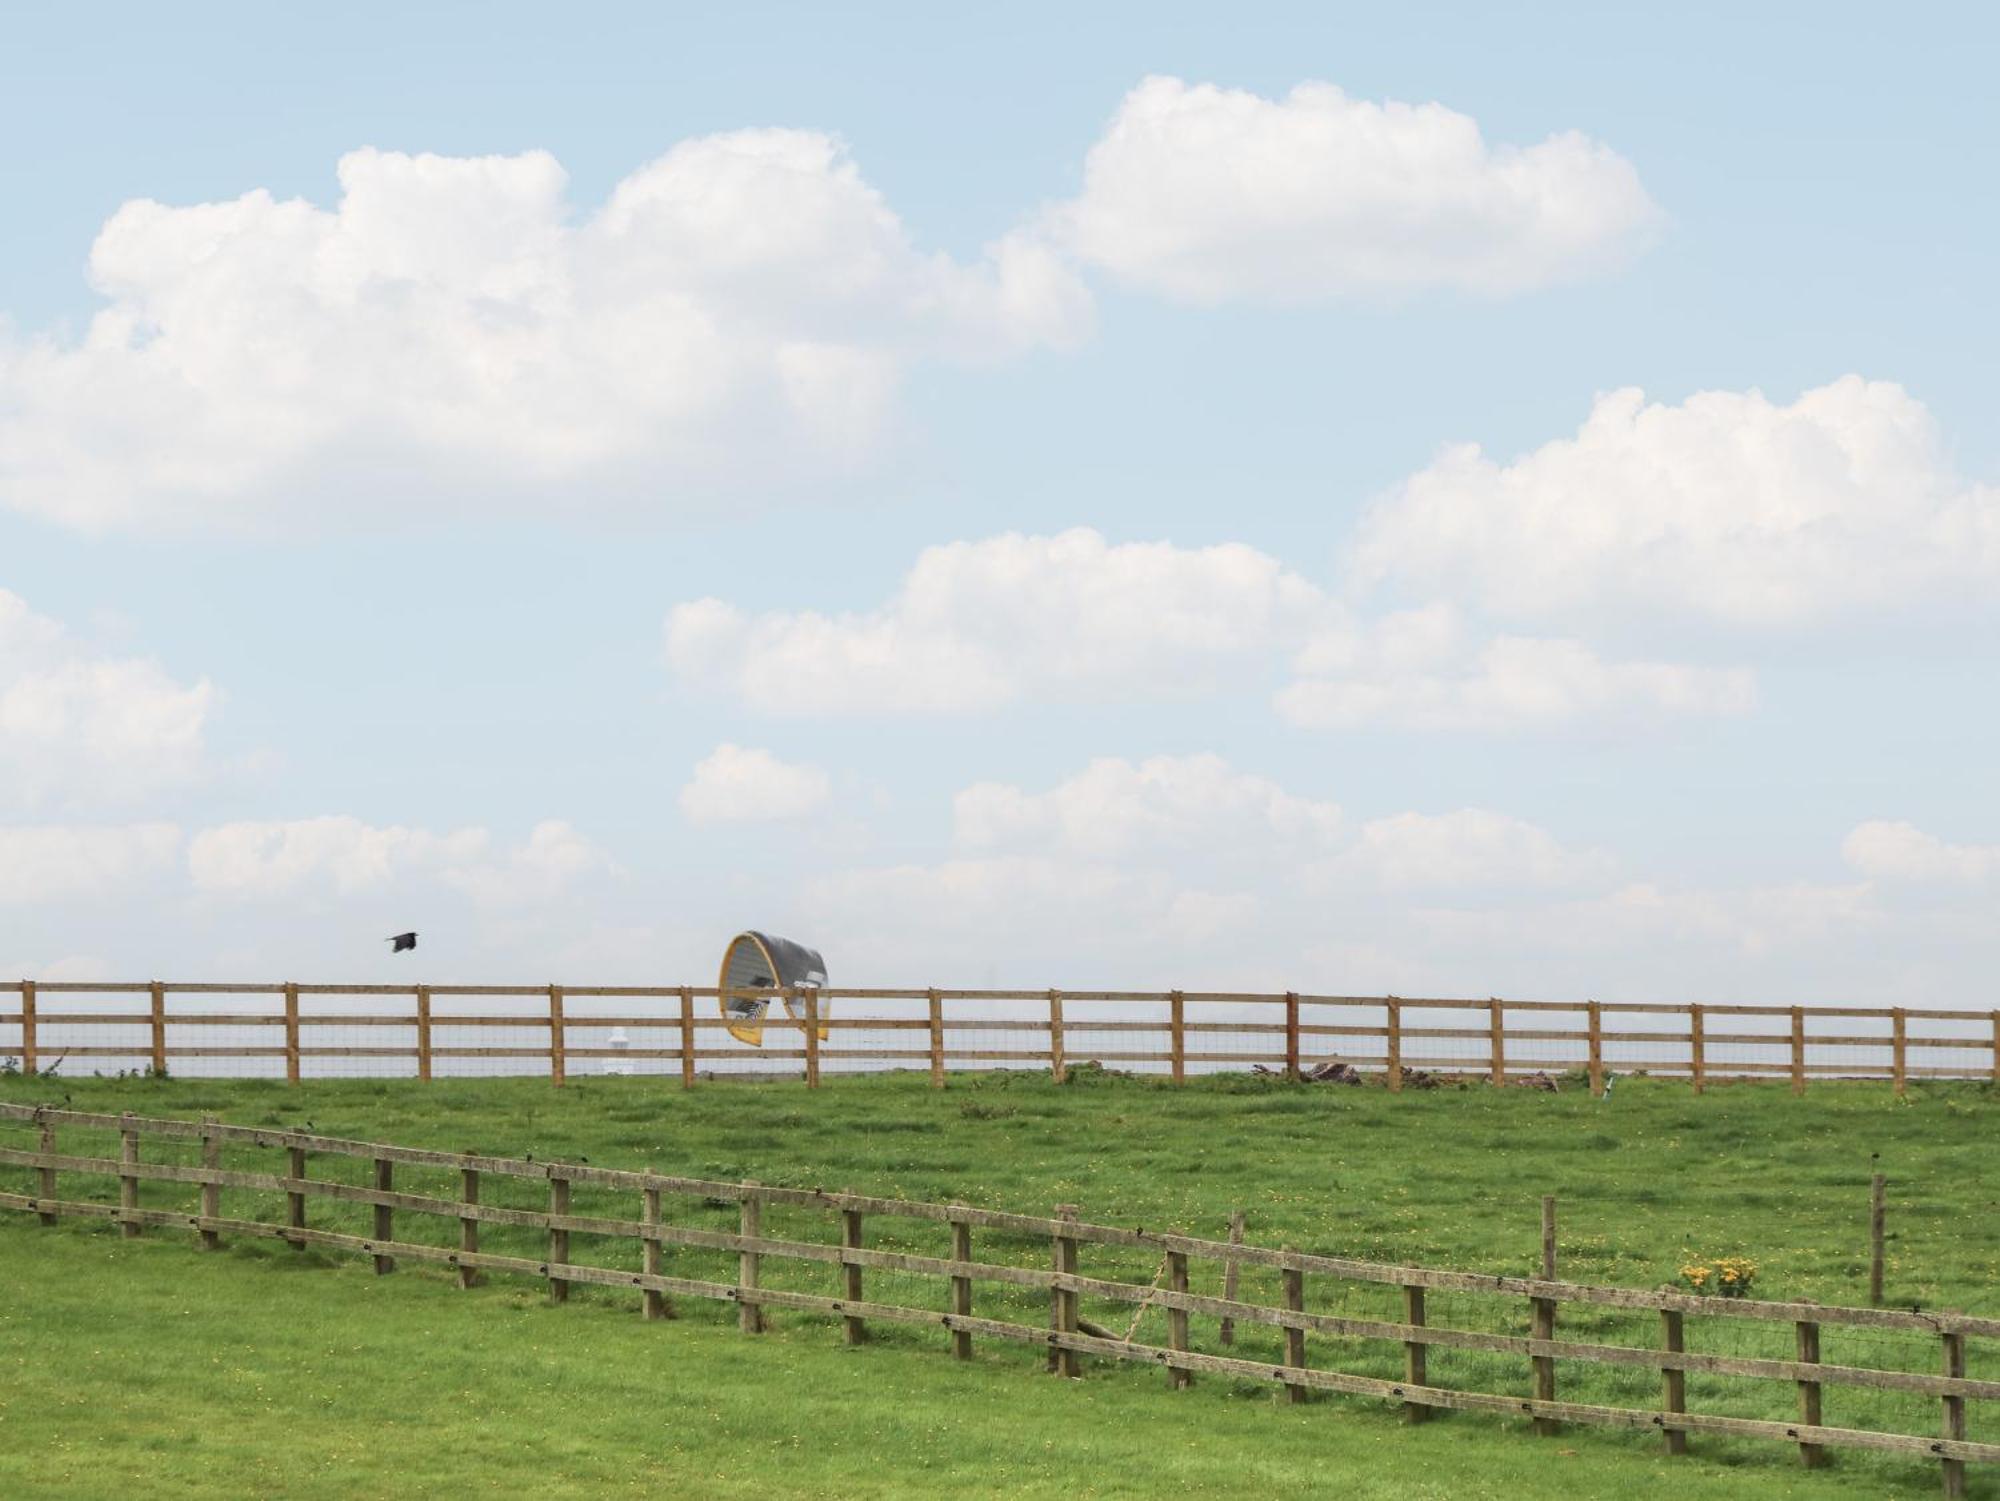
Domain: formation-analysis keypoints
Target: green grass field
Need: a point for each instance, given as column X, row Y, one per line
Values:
column 144, row 1368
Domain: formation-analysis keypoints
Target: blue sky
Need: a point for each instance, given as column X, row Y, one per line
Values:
column 299, row 662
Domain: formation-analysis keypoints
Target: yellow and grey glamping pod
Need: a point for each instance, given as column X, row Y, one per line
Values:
column 757, row 966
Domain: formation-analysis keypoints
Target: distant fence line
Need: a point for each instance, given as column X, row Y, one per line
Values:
column 429, row 1030
column 1353, row 1352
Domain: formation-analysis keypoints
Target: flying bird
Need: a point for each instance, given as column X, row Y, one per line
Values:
column 402, row 941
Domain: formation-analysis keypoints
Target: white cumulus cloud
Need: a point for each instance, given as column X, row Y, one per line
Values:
column 977, row 625
column 80, row 725
column 1899, row 851
column 1207, row 194
column 63, row 862
column 1727, row 506
column 341, row 856
column 451, row 336
column 739, row 784
column 1471, row 847
column 1118, row 808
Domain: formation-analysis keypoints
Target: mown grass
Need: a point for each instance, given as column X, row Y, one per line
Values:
column 145, row 1368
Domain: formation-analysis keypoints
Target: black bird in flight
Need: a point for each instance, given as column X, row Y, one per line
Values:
column 403, row 941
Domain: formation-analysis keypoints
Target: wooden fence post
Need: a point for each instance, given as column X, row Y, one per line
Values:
column 1898, row 1043
column 1295, row 1338
column 749, row 1314
column 1544, row 1321
column 128, row 1183
column 1996, row 1047
column 961, row 1288
column 558, row 1043
column 1594, row 1023
column 1058, row 1064
column 1673, row 1378
column 850, row 1237
column 654, row 1304
column 385, row 1217
column 1811, row 1455
column 211, row 1191
column 1178, row 1377
column 1698, row 1049
column 1798, row 1050
column 46, row 1179
column 1954, row 1414
column 1292, row 1035
column 1062, row 1302
column 159, row 1021
column 1497, row 1043
column 937, row 1038
column 1415, row 1352
column 291, row 1033
column 1177, row 1037
column 468, row 1225
column 1395, row 1025
column 30, row 1057
column 558, row 1237
column 810, row 999
column 424, row 1033
column 1876, row 1217
column 687, row 1037
column 1230, row 1274
column 295, row 1199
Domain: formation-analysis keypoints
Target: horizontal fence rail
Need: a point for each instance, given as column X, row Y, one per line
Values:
column 428, row 1031
column 1027, row 1261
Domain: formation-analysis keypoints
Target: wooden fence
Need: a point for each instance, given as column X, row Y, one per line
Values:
column 845, row 1257
column 432, row 1029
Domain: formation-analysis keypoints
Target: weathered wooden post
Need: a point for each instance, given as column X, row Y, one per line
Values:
column 1295, row 1337
column 936, row 1007
column 424, row 1033
column 1292, row 1035
column 1698, row 1050
column 1543, row 1326
column 1595, row 1032
column 749, row 1312
column 961, row 1286
column 1876, row 1218
column 850, row 1238
column 1954, row 1414
column 385, row 1225
column 1810, row 1455
column 687, row 1037
column 1395, row 1026
column 128, row 1181
column 558, row 1237
column 45, row 1185
column 1063, row 1301
column 810, row 999
column 211, row 1191
column 1177, row 1035
column 1415, row 1352
column 1230, row 1273
column 1673, row 1378
column 291, row 1033
column 1496, row 1043
column 468, row 1224
column 295, row 1199
column 1798, row 1050
column 1178, row 1377
column 654, row 1304
column 1058, row 1064
column 558, row 1043
column 158, row 997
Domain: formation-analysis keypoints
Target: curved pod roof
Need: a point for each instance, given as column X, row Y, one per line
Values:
column 756, row 966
